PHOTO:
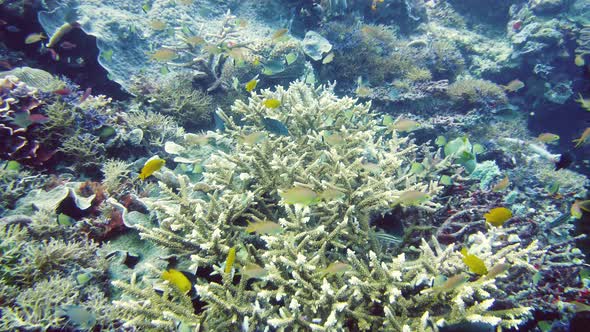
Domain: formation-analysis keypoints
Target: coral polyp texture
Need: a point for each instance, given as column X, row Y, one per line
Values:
column 296, row 206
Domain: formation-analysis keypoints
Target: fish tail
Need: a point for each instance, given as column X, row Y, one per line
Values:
column 578, row 141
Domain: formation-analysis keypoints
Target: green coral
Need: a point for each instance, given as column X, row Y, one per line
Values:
column 477, row 92
column 174, row 95
column 38, row 276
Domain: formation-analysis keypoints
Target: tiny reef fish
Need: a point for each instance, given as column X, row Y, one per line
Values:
column 251, row 85
column 264, row 227
column 271, row 103
column 299, row 195
column 336, row 267
column 150, row 167
column 548, row 138
column 584, row 102
column 501, row 185
column 34, row 38
column 514, row 85
column 498, row 216
column 406, row 125
column 231, row 258
column 252, row 270
column 279, row 33
column 178, row 279
column 475, row 264
column 583, row 138
column 578, row 206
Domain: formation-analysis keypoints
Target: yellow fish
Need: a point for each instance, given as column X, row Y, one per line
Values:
column 333, row 139
column 336, row 267
column 253, row 138
column 163, row 55
column 299, row 195
column 231, row 258
column 475, row 264
column 579, row 60
column 583, row 138
column 451, row 283
column 279, row 33
column 178, row 279
column 251, row 85
column 252, row 270
column 405, row 125
column 272, row 103
column 195, row 41
column 548, row 138
column 497, row 269
column 328, row 58
column 157, row 25
column 150, row 167
column 584, row 102
column 34, row 38
column 264, row 227
column 498, row 216
column 501, row 185
column 578, row 206
column 413, row 197
column 514, row 85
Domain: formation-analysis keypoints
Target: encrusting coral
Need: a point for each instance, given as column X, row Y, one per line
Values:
column 307, row 176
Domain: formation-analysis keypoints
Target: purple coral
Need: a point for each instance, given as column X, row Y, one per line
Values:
column 19, row 114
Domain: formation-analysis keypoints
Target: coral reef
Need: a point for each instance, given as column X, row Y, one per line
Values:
column 249, row 184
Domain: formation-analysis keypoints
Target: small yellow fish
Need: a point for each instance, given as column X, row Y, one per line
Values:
column 34, row 38
column 194, row 41
column 252, row 270
column 256, row 61
column 584, row 102
column 253, row 138
column 279, row 33
column 333, row 139
column 475, row 264
column 363, row 91
column 579, row 60
column 157, row 25
column 331, row 194
column 336, row 267
column 212, row 49
column 370, row 167
column 178, row 279
column 578, row 206
column 583, row 138
column 514, row 85
column 451, row 283
column 548, row 138
column 328, row 58
column 163, row 55
column 501, row 185
column 196, row 139
column 497, row 269
column 264, row 227
column 498, row 216
column 413, row 197
column 150, row 167
column 272, row 103
column 406, row 125
column 299, row 195
column 251, row 85
column 231, row 258
column 579, row 306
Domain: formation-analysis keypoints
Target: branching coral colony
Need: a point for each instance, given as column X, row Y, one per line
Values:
column 315, row 264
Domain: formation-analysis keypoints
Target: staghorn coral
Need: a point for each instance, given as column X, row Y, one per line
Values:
column 332, row 144
column 175, row 96
column 45, row 268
